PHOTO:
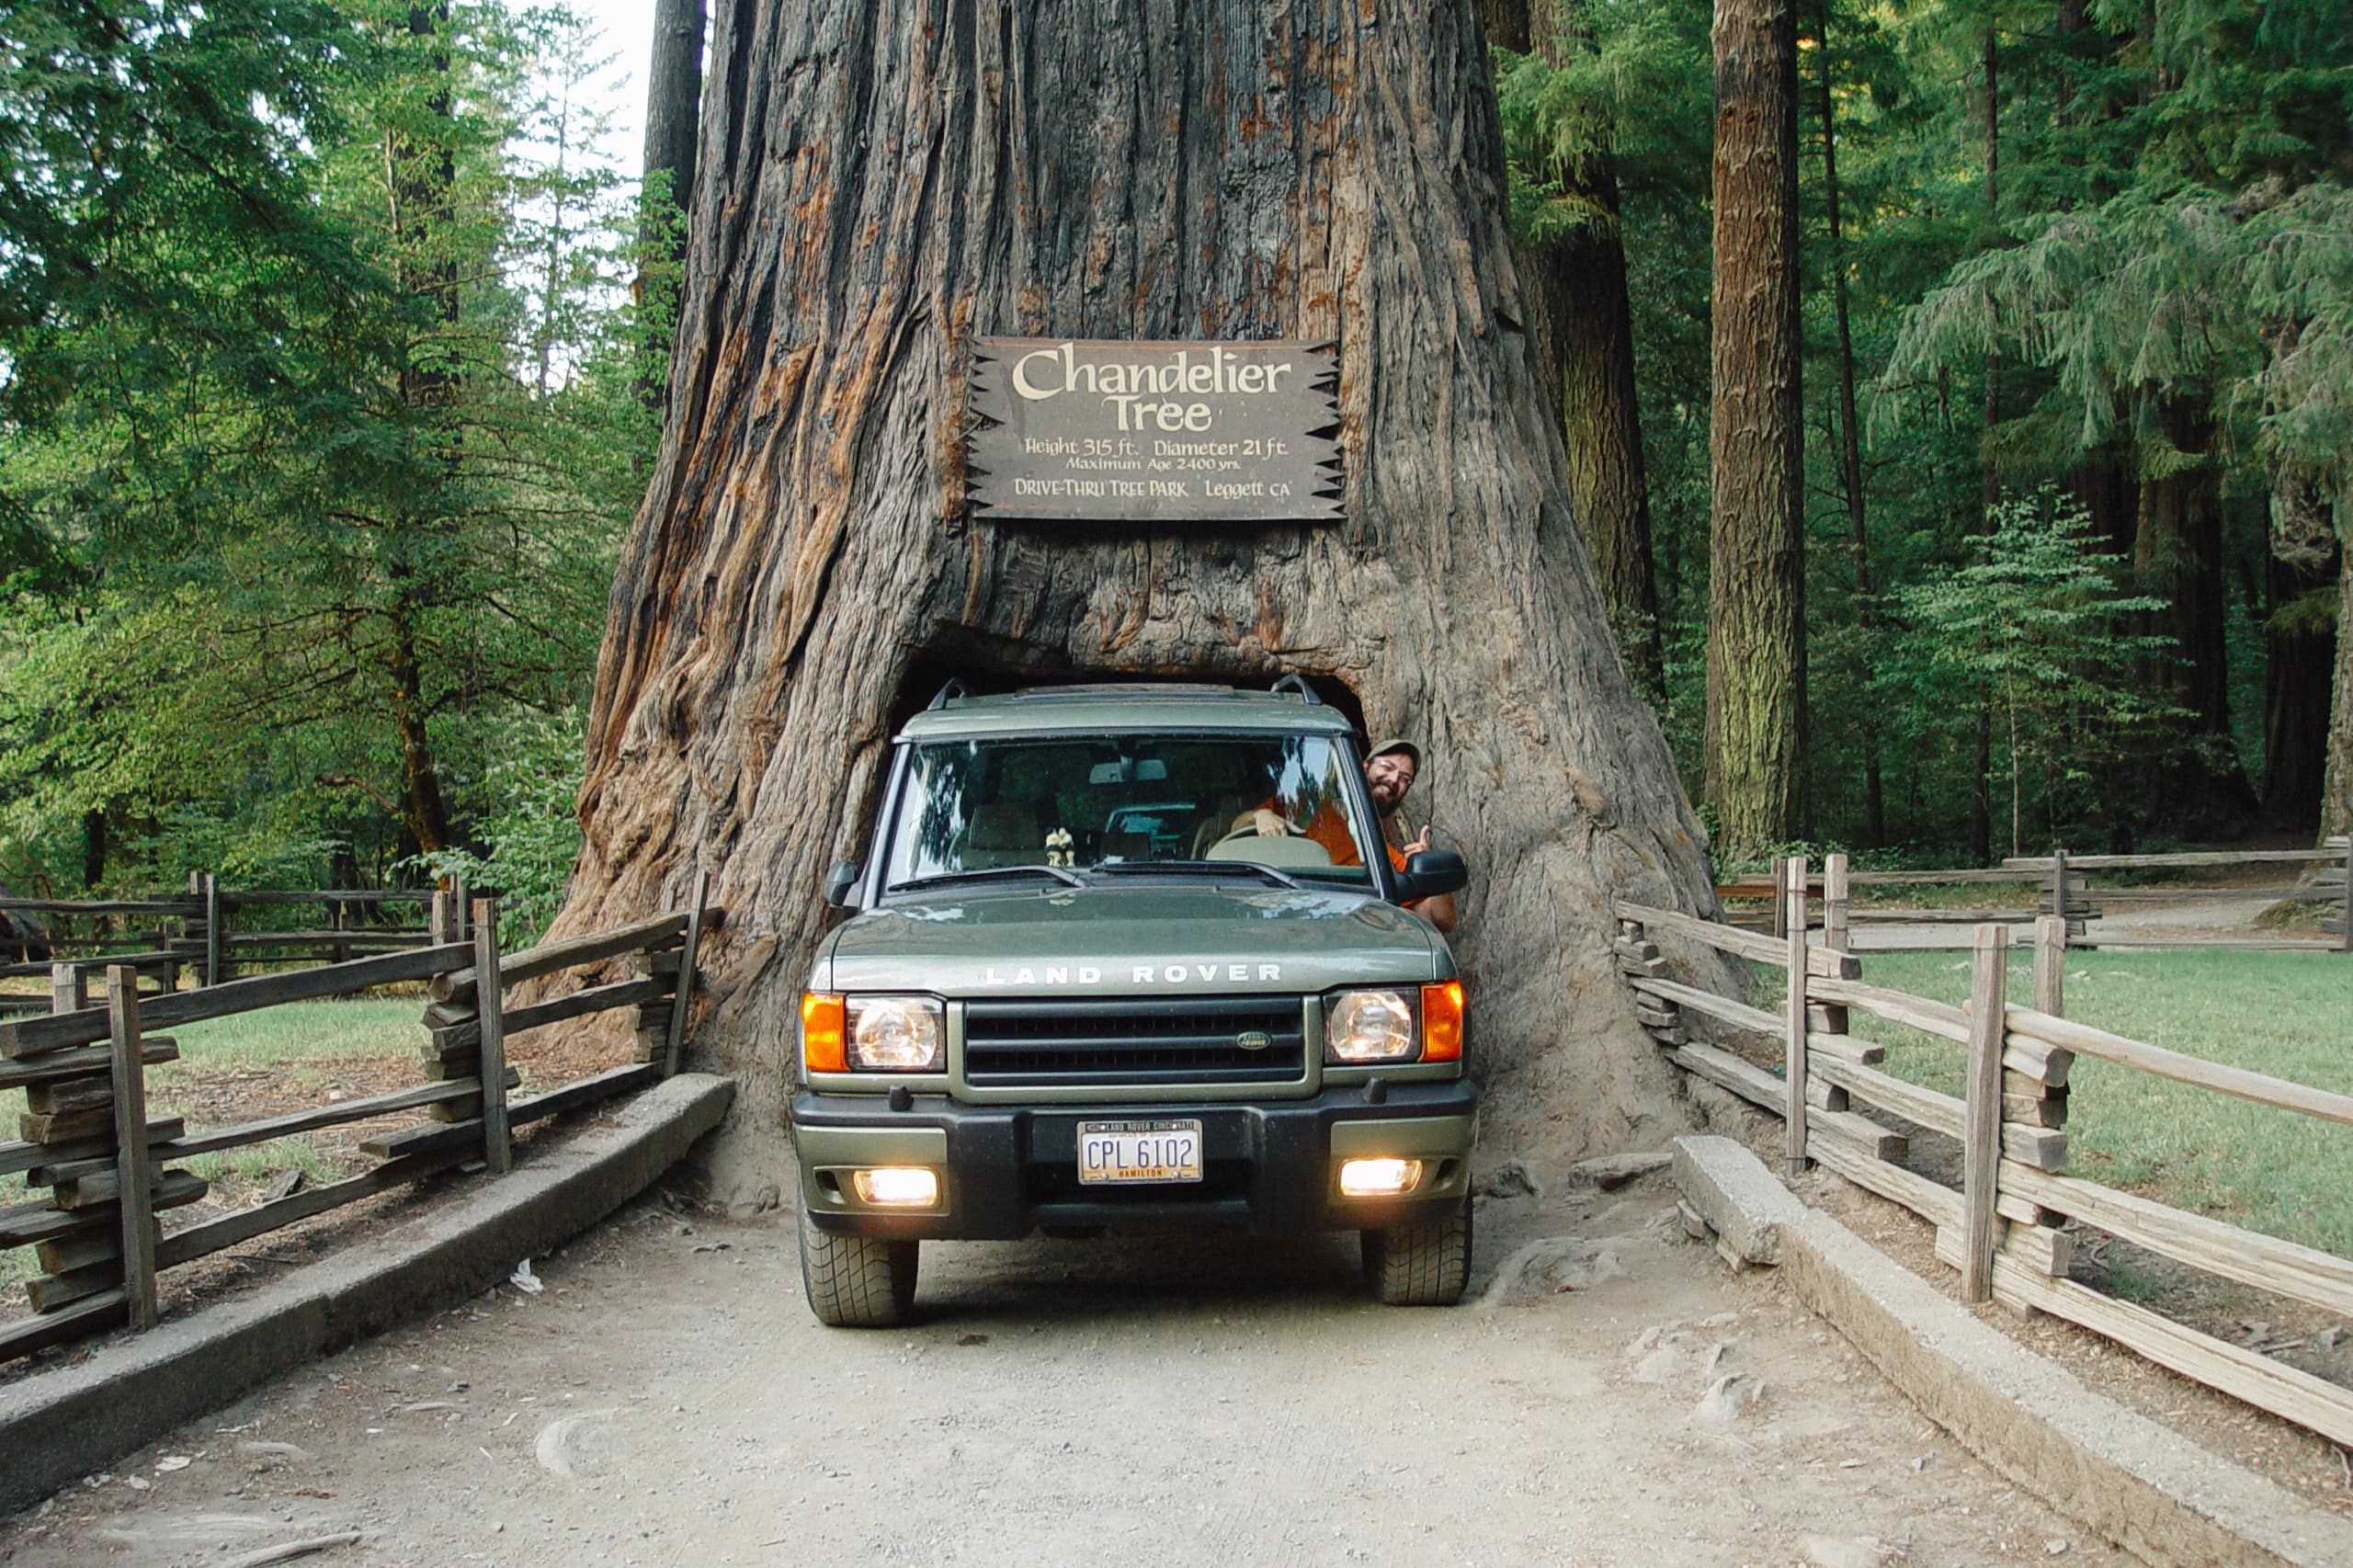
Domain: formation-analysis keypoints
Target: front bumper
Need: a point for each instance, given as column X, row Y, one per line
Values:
column 1006, row 1170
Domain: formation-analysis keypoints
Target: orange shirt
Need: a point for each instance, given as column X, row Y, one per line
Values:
column 1329, row 827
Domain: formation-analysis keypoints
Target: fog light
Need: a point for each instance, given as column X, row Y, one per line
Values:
column 898, row 1187
column 1378, row 1178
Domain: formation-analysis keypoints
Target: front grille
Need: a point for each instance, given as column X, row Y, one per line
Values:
column 1178, row 1041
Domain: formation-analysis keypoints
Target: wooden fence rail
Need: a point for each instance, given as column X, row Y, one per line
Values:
column 2003, row 1229
column 86, row 1136
column 2065, row 891
column 198, row 931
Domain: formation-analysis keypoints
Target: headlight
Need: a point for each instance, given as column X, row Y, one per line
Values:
column 895, row 1034
column 1378, row 1178
column 897, row 1187
column 1371, row 1026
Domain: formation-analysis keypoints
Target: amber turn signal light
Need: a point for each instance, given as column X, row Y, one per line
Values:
column 1442, row 1021
column 824, row 1030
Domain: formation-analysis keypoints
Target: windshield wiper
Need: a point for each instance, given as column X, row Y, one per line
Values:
column 1246, row 868
column 977, row 872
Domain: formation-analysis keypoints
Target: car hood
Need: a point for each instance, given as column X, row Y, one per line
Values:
column 1153, row 938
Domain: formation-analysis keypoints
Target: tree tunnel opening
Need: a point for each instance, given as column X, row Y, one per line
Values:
column 988, row 668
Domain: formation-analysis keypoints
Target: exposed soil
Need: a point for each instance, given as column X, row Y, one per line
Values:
column 2312, row 1340
column 225, row 1096
column 1610, row 1396
column 235, row 1271
column 2311, row 1466
column 2303, row 1337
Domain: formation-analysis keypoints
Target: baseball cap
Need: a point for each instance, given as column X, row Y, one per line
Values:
column 1408, row 747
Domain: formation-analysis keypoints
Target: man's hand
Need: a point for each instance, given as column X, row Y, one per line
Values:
column 1419, row 844
column 1270, row 824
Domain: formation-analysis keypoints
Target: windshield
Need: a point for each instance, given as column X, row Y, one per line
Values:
column 1131, row 802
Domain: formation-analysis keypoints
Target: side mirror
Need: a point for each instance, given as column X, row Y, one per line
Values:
column 839, row 883
column 1431, row 873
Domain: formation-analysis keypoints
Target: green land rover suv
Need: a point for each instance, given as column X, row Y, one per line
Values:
column 1131, row 956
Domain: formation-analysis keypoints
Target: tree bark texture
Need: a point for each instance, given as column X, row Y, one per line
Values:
column 1587, row 351
column 2298, row 661
column 1507, row 22
column 1756, row 725
column 94, row 847
column 1850, row 454
column 2178, row 555
column 882, row 185
column 2336, row 796
column 674, row 98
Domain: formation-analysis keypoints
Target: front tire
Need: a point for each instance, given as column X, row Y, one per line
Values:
column 856, row 1281
column 1426, row 1264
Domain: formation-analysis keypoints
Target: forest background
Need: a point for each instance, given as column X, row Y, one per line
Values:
column 331, row 350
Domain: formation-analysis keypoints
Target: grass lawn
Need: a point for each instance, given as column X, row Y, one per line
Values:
column 286, row 1034
column 2290, row 1014
column 298, row 1053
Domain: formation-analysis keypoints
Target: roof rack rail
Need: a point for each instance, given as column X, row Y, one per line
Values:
column 1298, row 683
column 953, row 691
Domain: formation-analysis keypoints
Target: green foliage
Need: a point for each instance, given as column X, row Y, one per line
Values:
column 525, row 816
column 2158, row 242
column 322, row 376
column 1633, row 88
column 2034, row 627
column 2283, row 1013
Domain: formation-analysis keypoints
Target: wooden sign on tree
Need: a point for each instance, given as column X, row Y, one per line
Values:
column 1154, row 432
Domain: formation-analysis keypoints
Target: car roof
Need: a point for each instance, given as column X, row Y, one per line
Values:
column 1127, row 708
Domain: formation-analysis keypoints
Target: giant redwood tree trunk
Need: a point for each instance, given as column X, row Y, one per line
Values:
column 2178, row 556
column 882, row 184
column 674, row 98
column 2336, row 796
column 1757, row 532
column 2301, row 571
column 1586, row 319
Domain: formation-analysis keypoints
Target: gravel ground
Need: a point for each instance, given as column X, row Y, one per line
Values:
column 1611, row 1395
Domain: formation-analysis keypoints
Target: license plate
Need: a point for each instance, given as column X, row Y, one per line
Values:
column 1115, row 1152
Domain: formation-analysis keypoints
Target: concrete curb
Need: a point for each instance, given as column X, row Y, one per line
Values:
column 2142, row 1486
column 61, row 1426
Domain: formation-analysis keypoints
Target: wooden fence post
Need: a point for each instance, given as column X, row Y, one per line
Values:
column 1836, row 892
column 461, row 906
column 2051, row 965
column 212, row 929
column 685, row 975
column 1638, row 957
column 1781, row 898
column 69, row 988
column 2345, row 898
column 1795, row 1019
column 490, row 1004
column 1837, row 936
column 441, row 929
column 134, row 1161
column 1981, row 1119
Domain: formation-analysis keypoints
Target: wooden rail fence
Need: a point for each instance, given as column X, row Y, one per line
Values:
column 2003, row 1227
column 87, row 1137
column 2066, row 890
column 199, row 931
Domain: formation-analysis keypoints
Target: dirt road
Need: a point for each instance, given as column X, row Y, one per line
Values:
column 1612, row 1397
